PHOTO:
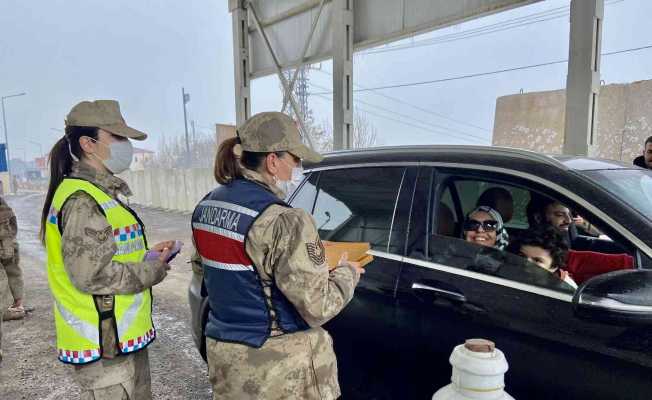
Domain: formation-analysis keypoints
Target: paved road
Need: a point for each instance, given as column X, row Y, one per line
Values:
column 30, row 369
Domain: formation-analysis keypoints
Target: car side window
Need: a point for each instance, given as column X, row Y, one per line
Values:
column 305, row 196
column 448, row 243
column 474, row 192
column 357, row 204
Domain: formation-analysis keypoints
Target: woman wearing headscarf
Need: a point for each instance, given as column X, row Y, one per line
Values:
column 484, row 226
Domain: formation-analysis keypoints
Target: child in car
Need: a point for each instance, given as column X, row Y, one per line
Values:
column 545, row 247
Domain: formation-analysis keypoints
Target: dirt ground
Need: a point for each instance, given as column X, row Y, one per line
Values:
column 30, row 369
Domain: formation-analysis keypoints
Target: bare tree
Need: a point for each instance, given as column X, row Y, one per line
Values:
column 365, row 134
column 172, row 152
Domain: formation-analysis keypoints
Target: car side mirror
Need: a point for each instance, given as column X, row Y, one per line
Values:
column 619, row 298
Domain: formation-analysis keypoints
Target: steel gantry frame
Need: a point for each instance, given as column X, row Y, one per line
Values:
column 583, row 80
column 397, row 19
column 242, row 78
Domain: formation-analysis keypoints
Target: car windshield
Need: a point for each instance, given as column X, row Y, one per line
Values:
column 633, row 186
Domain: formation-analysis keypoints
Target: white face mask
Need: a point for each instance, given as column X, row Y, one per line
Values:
column 122, row 153
column 288, row 187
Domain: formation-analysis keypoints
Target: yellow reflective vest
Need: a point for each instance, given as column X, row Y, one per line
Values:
column 76, row 316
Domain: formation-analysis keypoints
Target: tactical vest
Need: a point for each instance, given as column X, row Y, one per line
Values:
column 76, row 316
column 239, row 310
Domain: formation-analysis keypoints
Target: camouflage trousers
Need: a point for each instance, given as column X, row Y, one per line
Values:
column 4, row 289
column 120, row 378
column 10, row 262
column 301, row 365
column 0, row 341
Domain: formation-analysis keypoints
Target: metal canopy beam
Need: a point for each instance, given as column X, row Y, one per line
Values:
column 240, row 18
column 303, row 54
column 276, row 41
column 343, row 32
column 288, row 23
column 279, row 72
column 583, row 80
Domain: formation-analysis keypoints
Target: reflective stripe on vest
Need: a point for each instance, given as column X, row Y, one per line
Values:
column 76, row 317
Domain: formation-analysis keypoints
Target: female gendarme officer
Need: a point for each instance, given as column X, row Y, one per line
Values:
column 96, row 246
column 268, row 285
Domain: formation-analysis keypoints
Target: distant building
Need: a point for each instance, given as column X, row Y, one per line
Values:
column 223, row 132
column 141, row 158
column 535, row 121
column 42, row 165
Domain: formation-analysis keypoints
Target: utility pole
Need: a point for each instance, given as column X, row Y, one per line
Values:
column 194, row 134
column 186, row 98
column 40, row 147
column 4, row 123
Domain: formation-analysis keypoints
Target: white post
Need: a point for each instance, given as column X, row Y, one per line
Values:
column 241, row 60
column 342, row 29
column 583, row 80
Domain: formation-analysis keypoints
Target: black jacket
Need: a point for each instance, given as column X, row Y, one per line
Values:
column 640, row 162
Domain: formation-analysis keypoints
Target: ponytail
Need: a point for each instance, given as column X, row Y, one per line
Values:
column 228, row 166
column 61, row 162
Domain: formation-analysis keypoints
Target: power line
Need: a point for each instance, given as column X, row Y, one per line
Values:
column 457, row 36
column 530, row 19
column 500, row 71
column 447, row 129
column 438, row 132
column 416, row 107
column 425, row 110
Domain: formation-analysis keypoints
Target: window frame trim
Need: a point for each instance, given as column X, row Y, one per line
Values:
column 635, row 241
column 524, row 287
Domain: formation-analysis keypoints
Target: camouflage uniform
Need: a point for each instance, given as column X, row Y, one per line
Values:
column 88, row 249
column 301, row 365
column 4, row 289
column 11, row 277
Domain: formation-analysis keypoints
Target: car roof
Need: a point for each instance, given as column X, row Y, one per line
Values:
column 483, row 155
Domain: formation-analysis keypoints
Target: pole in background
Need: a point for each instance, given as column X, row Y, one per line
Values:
column 4, row 123
column 240, row 23
column 342, row 26
column 186, row 98
column 194, row 134
column 40, row 147
column 583, row 79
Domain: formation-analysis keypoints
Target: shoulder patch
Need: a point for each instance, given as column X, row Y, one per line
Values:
column 99, row 236
column 316, row 252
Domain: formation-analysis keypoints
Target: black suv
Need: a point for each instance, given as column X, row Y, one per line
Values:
column 426, row 292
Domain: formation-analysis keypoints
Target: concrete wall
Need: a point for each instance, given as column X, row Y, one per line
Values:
column 4, row 183
column 173, row 189
column 535, row 121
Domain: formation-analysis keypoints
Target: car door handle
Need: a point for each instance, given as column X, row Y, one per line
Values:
column 448, row 294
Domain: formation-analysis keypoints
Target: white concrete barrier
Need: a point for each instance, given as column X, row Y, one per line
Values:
column 171, row 189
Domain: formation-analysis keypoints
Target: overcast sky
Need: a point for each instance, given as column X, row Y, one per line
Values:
column 142, row 52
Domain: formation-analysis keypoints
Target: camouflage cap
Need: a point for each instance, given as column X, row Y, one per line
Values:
column 104, row 114
column 274, row 131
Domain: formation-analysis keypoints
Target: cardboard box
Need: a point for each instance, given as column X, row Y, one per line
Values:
column 357, row 253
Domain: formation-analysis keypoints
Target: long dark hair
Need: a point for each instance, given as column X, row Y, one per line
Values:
column 61, row 162
column 228, row 166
